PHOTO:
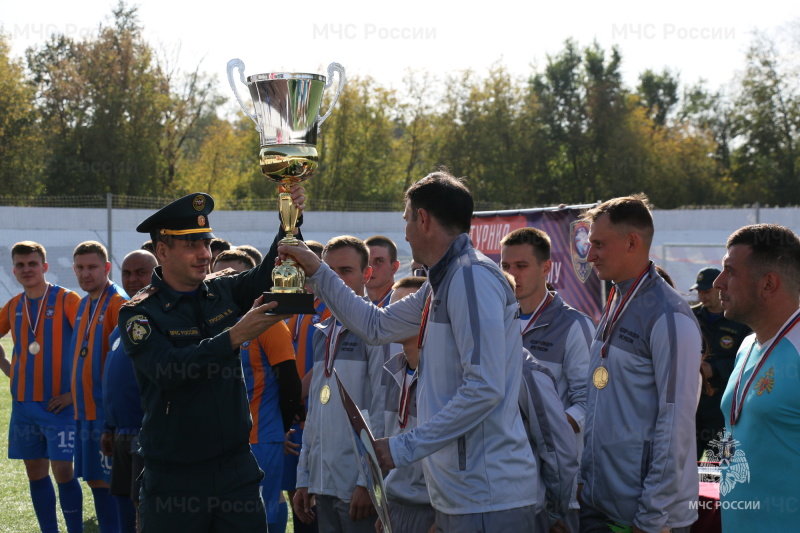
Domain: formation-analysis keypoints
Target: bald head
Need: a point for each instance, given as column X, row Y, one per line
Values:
column 137, row 268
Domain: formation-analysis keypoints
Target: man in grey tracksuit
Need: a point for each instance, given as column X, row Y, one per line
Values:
column 639, row 467
column 327, row 467
column 478, row 464
column 557, row 335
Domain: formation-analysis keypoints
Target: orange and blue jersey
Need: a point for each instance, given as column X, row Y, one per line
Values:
column 93, row 326
column 41, row 376
column 302, row 329
column 272, row 347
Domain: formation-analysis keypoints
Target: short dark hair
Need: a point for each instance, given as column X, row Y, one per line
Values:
column 235, row 256
column 315, row 247
column 538, row 239
column 91, row 247
column 252, row 251
column 445, row 197
column 219, row 245
column 410, row 282
column 29, row 247
column 630, row 210
column 149, row 246
column 773, row 249
column 345, row 241
column 386, row 242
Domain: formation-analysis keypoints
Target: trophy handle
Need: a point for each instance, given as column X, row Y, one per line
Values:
column 233, row 64
column 333, row 67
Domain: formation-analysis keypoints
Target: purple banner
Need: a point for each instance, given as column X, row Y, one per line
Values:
column 571, row 275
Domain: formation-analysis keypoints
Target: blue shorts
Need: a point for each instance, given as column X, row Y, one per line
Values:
column 290, row 461
column 90, row 463
column 36, row 433
column 270, row 459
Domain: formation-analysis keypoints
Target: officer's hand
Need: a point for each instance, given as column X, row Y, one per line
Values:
column 384, row 455
column 360, row 504
column 289, row 447
column 107, row 443
column 58, row 403
column 300, row 253
column 301, row 503
column 254, row 322
column 298, row 196
column 559, row 527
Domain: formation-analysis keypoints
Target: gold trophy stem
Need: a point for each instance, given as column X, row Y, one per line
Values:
column 289, row 214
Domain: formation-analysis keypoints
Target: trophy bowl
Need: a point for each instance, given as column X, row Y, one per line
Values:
column 287, row 117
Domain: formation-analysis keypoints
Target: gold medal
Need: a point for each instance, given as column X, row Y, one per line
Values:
column 600, row 377
column 325, row 395
column 34, row 348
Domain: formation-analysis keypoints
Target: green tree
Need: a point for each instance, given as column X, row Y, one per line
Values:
column 766, row 125
column 21, row 142
column 358, row 156
column 115, row 118
column 658, row 93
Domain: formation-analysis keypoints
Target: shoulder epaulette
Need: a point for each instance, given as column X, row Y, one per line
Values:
column 141, row 296
column 226, row 272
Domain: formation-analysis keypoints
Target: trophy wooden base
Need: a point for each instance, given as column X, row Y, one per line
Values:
column 291, row 303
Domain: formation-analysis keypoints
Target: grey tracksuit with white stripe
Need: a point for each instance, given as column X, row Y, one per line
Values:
column 328, row 464
column 552, row 438
column 639, row 465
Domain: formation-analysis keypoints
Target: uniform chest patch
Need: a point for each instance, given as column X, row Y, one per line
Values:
column 726, row 341
column 765, row 383
column 138, row 328
column 50, row 312
column 116, row 343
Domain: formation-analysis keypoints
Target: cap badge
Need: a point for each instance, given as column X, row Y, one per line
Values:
column 201, row 220
column 199, row 202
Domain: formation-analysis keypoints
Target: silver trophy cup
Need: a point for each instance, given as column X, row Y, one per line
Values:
column 287, row 107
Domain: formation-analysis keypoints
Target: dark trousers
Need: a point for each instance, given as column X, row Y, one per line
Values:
column 216, row 496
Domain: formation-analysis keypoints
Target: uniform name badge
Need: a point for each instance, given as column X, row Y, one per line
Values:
column 34, row 348
column 600, row 377
column 325, row 395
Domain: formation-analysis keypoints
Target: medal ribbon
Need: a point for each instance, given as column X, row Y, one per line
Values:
column 423, row 326
column 609, row 326
column 337, row 330
column 384, row 300
column 737, row 404
column 405, row 399
column 26, row 305
column 539, row 310
column 100, row 303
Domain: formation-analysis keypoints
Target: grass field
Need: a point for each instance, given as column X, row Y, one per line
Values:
column 16, row 511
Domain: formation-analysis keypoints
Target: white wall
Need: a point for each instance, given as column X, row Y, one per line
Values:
column 60, row 229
